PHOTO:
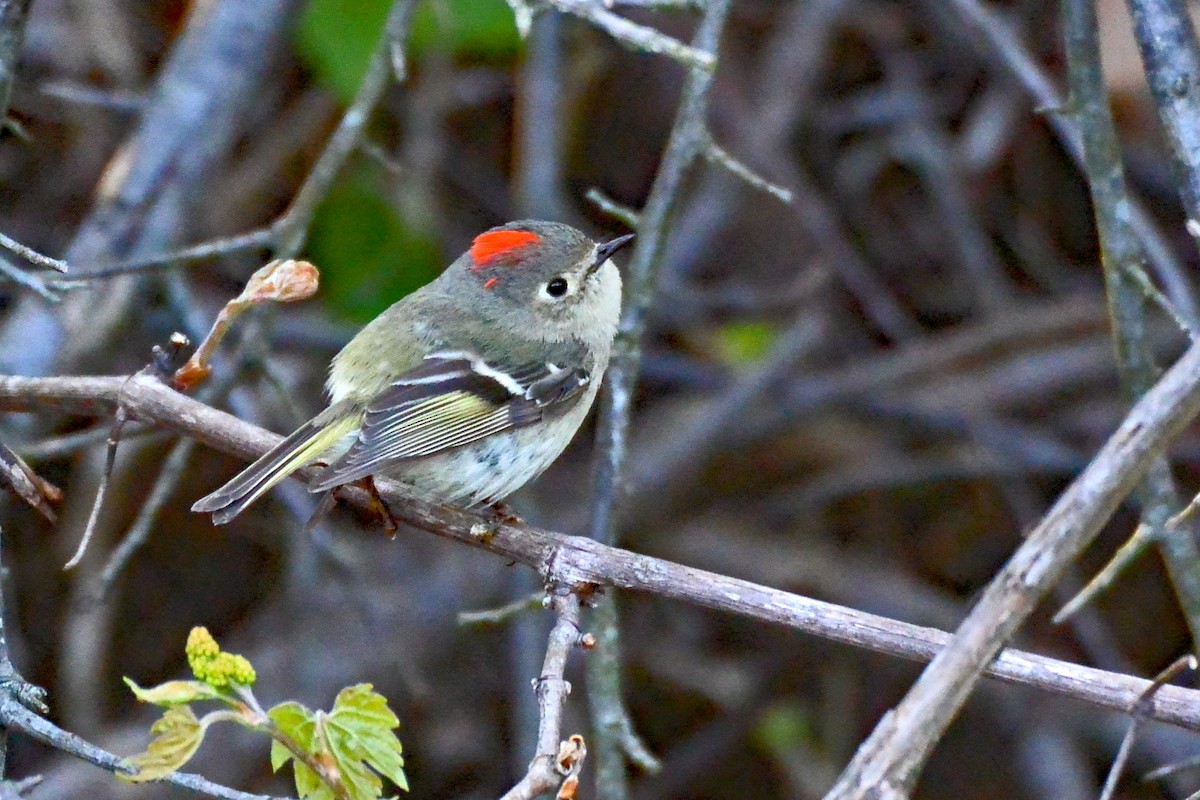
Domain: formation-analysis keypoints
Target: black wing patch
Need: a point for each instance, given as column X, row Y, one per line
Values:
column 452, row 399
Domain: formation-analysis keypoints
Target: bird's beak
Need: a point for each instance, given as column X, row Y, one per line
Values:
column 606, row 250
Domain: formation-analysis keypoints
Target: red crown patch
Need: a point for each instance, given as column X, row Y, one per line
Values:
column 491, row 245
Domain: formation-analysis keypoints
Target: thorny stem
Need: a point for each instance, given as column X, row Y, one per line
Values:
column 1120, row 253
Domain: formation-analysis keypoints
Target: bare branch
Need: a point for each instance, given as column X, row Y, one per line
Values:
column 1138, row 715
column 1121, row 255
column 688, row 141
column 13, row 15
column 575, row 560
column 16, row 717
column 552, row 690
column 639, row 37
column 720, row 156
column 893, row 755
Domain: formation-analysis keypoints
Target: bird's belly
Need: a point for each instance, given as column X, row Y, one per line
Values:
column 492, row 468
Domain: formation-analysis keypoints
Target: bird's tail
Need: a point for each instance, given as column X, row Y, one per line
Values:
column 303, row 447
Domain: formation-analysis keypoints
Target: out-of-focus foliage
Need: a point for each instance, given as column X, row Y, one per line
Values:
column 336, row 37
column 368, row 256
column 745, row 341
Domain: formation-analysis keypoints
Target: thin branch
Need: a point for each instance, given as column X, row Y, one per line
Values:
column 639, row 37
column 13, row 686
column 164, row 486
column 1137, row 717
column 688, row 141
column 1171, row 56
column 613, row 208
column 13, row 16
column 1087, row 503
column 110, row 459
column 1129, row 552
column 502, row 614
column 28, row 253
column 16, row 717
column 891, row 758
column 552, row 690
column 718, row 155
column 27, row 484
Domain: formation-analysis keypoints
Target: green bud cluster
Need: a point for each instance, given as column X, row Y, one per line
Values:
column 214, row 667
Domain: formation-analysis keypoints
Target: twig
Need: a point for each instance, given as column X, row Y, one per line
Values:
column 575, row 560
column 71, row 443
column 13, row 686
column 28, row 253
column 613, row 208
column 110, row 459
column 720, row 156
column 164, row 486
column 552, row 690
column 1129, row 552
column 688, row 140
column 501, row 614
column 639, row 37
column 285, row 236
column 1137, row 716
column 1120, row 254
column 28, row 485
column 16, row 717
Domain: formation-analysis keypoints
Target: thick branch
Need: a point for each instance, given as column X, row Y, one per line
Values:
column 1083, row 508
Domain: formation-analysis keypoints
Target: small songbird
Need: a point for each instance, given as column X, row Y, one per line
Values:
column 469, row 387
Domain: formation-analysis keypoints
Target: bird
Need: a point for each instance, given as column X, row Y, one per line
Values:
column 467, row 388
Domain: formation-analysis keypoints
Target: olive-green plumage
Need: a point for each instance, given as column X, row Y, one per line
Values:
column 469, row 387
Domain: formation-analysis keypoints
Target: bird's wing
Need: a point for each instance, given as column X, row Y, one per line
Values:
column 453, row 398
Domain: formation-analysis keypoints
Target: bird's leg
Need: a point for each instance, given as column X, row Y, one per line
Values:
column 378, row 507
column 324, row 506
column 505, row 514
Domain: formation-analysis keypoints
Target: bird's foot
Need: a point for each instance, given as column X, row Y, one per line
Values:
column 504, row 514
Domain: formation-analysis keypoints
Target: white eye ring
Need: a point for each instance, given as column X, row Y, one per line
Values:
column 556, row 288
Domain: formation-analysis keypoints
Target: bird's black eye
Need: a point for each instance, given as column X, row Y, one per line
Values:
column 557, row 287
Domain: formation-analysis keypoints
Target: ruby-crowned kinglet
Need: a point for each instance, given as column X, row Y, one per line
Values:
column 469, row 387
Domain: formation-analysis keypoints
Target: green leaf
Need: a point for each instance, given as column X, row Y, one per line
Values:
column 177, row 736
column 368, row 256
column 360, row 728
column 357, row 735
column 174, row 693
column 300, row 725
column 296, row 722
